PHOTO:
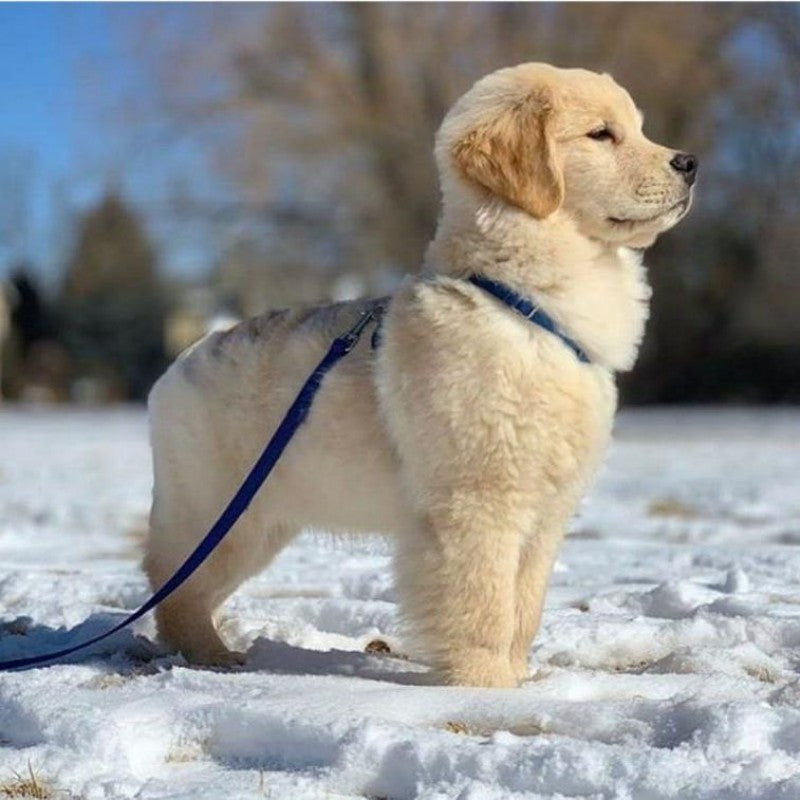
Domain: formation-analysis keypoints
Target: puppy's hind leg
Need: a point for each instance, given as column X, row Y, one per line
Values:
column 186, row 618
column 185, row 622
column 196, row 470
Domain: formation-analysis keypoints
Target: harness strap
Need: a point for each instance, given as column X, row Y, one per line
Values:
column 528, row 309
column 260, row 471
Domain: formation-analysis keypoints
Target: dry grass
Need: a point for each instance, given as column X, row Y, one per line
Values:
column 25, row 787
column 183, row 755
column 187, row 751
column 456, row 727
column 528, row 728
column 110, row 681
column 28, row 785
column 670, row 507
column 762, row 673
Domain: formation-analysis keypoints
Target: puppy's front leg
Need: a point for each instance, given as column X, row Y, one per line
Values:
column 456, row 583
column 533, row 575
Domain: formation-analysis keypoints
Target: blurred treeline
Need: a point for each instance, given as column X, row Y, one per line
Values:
column 314, row 125
column 101, row 337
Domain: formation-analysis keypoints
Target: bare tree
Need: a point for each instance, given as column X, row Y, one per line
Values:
column 319, row 121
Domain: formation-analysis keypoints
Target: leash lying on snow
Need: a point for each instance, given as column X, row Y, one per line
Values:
column 294, row 418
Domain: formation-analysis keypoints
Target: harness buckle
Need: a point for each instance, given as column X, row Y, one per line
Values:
column 350, row 339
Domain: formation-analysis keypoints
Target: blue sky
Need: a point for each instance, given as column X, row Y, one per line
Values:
column 38, row 44
column 67, row 72
column 49, row 55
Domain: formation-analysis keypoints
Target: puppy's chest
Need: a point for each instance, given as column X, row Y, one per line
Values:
column 502, row 399
column 548, row 410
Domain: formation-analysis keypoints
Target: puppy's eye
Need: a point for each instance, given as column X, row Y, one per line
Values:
column 601, row 135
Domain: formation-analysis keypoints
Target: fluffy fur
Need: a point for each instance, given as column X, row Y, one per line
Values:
column 470, row 434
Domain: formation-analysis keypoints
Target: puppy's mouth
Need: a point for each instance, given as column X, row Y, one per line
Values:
column 681, row 207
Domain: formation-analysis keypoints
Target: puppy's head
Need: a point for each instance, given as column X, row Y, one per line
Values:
column 546, row 139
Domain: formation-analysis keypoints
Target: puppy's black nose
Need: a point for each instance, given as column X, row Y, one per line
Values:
column 687, row 164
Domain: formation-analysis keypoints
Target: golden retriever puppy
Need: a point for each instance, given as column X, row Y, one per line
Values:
column 469, row 433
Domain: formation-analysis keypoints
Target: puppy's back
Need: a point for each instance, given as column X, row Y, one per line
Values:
column 277, row 341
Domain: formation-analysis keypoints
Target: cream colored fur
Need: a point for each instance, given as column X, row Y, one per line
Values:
column 470, row 434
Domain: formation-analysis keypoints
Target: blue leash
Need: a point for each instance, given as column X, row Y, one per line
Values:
column 294, row 418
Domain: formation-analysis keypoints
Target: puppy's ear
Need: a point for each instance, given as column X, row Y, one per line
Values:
column 513, row 156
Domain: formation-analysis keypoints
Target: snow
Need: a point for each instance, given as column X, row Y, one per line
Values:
column 668, row 665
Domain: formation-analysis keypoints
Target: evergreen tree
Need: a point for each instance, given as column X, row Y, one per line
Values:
column 111, row 301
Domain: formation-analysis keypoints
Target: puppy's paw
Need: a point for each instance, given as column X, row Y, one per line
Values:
column 230, row 658
column 480, row 668
column 520, row 669
column 226, row 659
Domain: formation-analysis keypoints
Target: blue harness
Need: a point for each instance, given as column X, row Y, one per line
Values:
column 529, row 310
column 260, row 471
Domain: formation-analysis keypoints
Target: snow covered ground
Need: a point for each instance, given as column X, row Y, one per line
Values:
column 668, row 665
